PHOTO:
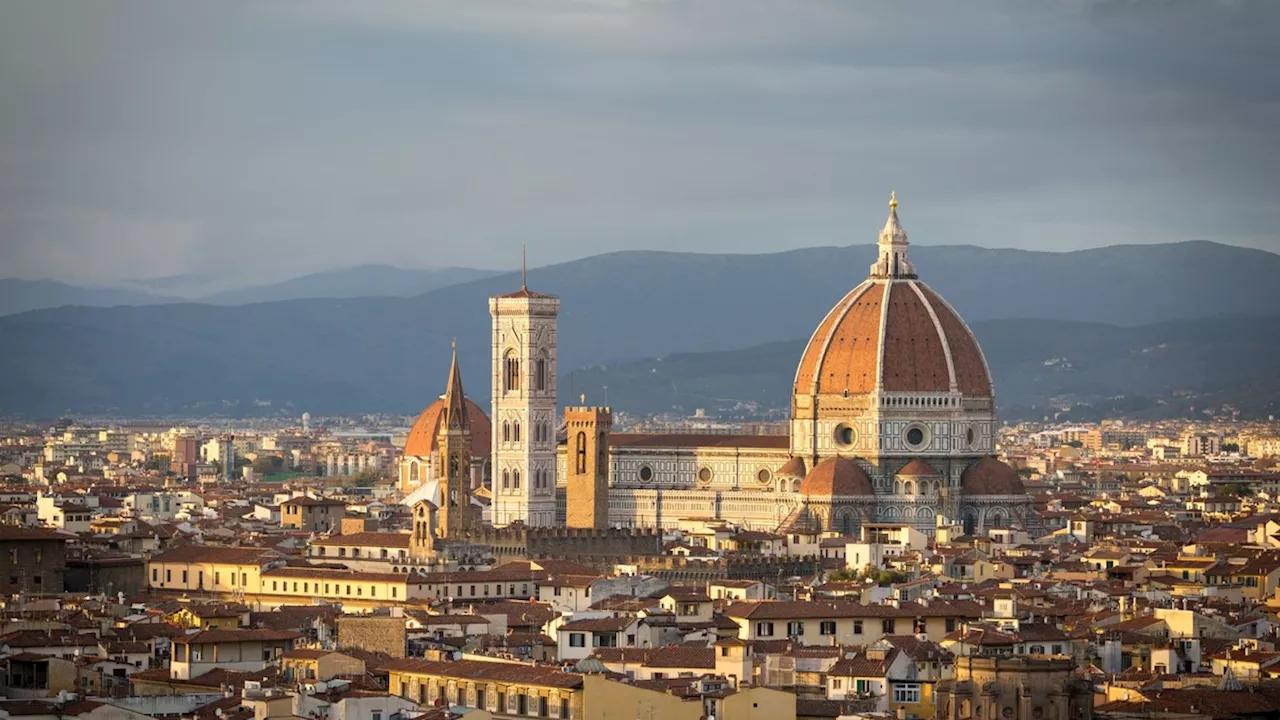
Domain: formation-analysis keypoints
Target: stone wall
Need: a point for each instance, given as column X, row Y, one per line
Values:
column 373, row 633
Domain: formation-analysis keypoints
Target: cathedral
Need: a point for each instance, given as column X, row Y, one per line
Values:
column 892, row 421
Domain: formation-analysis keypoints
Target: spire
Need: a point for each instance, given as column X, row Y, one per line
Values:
column 893, row 262
column 455, row 401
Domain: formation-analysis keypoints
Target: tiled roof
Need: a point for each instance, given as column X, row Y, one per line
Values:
column 610, row 624
column 366, row 539
column 216, row 554
column 232, row 636
column 770, row 442
column 535, row 675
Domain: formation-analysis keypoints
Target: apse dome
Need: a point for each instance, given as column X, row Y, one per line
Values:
column 836, row 477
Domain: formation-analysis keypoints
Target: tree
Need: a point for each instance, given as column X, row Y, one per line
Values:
column 844, row 574
column 1075, row 444
column 268, row 464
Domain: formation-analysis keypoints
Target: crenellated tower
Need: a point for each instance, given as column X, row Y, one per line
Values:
column 587, row 466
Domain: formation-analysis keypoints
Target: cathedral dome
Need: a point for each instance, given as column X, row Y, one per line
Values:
column 989, row 476
column 892, row 333
column 836, row 477
column 422, row 436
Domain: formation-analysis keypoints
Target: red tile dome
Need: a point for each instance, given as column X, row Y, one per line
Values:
column 989, row 476
column 916, row 344
column 836, row 477
column 892, row 333
column 422, row 436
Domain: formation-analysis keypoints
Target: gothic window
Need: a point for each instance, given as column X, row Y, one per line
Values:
column 506, row 479
column 540, row 373
column 581, row 453
column 515, row 431
column 413, row 472
column 453, row 466
column 511, row 372
column 506, row 431
column 515, row 479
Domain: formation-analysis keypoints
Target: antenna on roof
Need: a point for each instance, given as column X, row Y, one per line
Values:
column 524, row 267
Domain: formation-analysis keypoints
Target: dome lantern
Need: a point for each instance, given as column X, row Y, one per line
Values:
column 893, row 262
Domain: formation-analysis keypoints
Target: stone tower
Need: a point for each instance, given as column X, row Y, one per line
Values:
column 453, row 457
column 422, row 542
column 587, row 467
column 524, row 407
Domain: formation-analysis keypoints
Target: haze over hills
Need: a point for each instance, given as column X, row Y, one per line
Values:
column 18, row 296
column 1070, row 370
column 363, row 281
column 390, row 354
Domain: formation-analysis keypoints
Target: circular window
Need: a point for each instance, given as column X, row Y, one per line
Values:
column 845, row 435
column 1008, row 712
column 915, row 436
column 764, row 476
column 969, row 436
column 1037, row 712
column 704, row 474
column 646, row 473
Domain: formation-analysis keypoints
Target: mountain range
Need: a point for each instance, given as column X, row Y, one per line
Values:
column 1042, row 368
column 362, row 281
column 390, row 354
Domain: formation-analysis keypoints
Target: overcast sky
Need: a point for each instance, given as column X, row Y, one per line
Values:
column 143, row 139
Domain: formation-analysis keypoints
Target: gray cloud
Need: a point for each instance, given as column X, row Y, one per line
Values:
column 149, row 138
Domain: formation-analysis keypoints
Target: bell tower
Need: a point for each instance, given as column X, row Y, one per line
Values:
column 453, row 457
column 524, row 407
column 587, row 467
column 422, row 543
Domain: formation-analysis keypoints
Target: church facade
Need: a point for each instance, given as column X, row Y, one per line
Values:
column 892, row 421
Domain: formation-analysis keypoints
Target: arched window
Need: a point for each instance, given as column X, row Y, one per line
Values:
column 506, row 479
column 413, row 471
column 909, row 488
column 515, row 479
column 540, row 374
column 515, row 431
column 581, row 453
column 506, row 431
column 511, row 372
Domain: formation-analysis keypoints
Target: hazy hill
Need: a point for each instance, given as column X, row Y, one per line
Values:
column 1040, row 367
column 391, row 354
column 362, row 281
column 23, row 295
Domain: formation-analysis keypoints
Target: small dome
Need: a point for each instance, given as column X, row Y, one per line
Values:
column 918, row 468
column 835, row 477
column 793, row 468
column 989, row 476
column 422, row 436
